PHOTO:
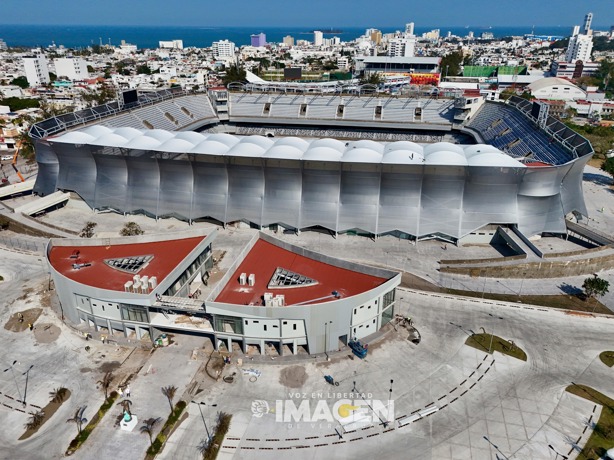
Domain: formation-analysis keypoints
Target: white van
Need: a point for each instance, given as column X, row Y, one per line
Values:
column 7, row 157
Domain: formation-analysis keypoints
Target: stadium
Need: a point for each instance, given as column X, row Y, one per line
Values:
column 423, row 166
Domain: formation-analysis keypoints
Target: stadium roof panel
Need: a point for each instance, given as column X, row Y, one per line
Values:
column 290, row 148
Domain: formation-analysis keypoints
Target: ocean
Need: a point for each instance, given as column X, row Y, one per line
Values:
column 147, row 37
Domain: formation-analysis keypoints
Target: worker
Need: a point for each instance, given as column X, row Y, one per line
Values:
column 30, row 326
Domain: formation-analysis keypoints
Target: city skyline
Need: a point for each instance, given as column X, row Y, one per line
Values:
column 278, row 13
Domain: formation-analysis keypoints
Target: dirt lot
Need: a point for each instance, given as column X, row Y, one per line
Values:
column 293, row 376
column 18, row 324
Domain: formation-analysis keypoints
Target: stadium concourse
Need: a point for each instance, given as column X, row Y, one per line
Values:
column 524, row 171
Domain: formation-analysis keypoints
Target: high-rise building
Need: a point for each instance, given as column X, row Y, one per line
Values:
column 3, row 46
column 258, row 39
column 575, row 31
column 588, row 20
column 409, row 28
column 73, row 68
column 376, row 36
column 318, row 38
column 402, row 47
column 579, row 49
column 36, row 69
column 289, row 40
column 223, row 48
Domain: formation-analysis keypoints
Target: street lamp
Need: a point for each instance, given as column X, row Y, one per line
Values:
column 203, row 417
column 14, row 378
column 27, row 374
column 326, row 337
column 557, row 453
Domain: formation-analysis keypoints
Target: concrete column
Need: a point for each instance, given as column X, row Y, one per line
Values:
column 229, row 344
column 262, row 348
column 294, row 347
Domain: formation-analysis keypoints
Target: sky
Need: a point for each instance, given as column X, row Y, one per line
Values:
column 320, row 13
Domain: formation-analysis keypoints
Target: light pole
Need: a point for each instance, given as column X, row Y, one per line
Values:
column 14, row 378
column 27, row 374
column 557, row 453
column 203, row 417
column 326, row 324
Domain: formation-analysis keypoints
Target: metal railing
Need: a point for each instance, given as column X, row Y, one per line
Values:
column 60, row 123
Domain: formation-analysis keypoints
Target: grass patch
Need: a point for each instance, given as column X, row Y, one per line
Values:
column 85, row 433
column 483, row 343
column 48, row 410
column 166, row 431
column 602, row 437
column 607, row 358
column 221, row 428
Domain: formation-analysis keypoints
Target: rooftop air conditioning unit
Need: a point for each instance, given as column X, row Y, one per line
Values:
column 252, row 279
column 136, row 278
column 281, row 300
column 243, row 279
column 268, row 299
column 153, row 282
column 128, row 286
column 136, row 287
column 145, row 280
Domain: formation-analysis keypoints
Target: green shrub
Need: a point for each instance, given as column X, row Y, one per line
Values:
column 85, row 433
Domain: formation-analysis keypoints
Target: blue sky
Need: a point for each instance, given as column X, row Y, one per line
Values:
column 321, row 13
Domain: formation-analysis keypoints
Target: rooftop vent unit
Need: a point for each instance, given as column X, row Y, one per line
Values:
column 80, row 266
column 75, row 254
column 251, row 280
column 153, row 282
column 128, row 286
column 243, row 279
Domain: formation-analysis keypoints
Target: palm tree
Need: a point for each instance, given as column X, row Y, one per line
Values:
column 78, row 418
column 36, row 419
column 148, row 427
column 169, row 392
column 58, row 395
column 105, row 383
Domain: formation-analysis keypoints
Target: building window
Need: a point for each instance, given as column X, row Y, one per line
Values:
column 265, row 327
column 389, row 298
column 134, row 314
column 294, row 327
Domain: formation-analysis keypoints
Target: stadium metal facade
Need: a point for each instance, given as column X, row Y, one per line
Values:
column 442, row 189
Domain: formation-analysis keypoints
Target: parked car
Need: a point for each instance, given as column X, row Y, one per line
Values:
column 6, row 157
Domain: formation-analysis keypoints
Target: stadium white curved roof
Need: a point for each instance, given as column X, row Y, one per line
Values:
column 290, row 148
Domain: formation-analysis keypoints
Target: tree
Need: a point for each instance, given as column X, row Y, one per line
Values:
column 169, row 392
column 131, row 229
column 608, row 166
column 58, row 395
column 234, row 73
column 143, row 69
column 105, row 383
column 373, row 79
column 148, row 427
column 26, row 145
column 88, row 230
column 451, row 64
column 605, row 73
column 22, row 82
column 36, row 419
column 78, row 419
column 595, row 287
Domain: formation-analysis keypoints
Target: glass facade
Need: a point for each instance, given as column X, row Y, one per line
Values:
column 134, row 313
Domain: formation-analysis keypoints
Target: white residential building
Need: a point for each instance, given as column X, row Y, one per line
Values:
column 402, row 47
column 579, row 49
column 73, row 68
column 36, row 69
column 318, row 38
column 223, row 48
column 172, row 44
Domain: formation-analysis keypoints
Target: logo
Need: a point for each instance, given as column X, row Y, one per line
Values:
column 259, row 408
